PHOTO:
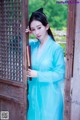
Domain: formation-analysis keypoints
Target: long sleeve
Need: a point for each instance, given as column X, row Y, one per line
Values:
column 58, row 73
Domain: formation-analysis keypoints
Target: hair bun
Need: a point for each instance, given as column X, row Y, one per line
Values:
column 39, row 10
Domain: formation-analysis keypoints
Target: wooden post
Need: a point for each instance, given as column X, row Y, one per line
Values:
column 69, row 58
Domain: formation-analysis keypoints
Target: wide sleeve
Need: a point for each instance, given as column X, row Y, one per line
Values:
column 58, row 74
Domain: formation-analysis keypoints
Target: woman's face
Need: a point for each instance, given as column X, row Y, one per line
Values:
column 39, row 30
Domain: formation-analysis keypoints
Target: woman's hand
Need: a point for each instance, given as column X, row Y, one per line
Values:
column 31, row 73
column 28, row 30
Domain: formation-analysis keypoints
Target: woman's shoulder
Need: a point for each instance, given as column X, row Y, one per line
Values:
column 55, row 45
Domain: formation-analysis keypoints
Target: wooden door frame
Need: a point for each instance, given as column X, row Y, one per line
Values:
column 71, row 23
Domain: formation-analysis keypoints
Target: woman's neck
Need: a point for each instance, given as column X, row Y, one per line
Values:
column 45, row 39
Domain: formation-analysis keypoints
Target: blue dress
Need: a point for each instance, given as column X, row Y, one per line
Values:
column 45, row 95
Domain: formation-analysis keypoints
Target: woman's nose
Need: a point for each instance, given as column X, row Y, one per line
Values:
column 36, row 32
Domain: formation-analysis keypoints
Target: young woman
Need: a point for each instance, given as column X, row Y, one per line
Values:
column 48, row 71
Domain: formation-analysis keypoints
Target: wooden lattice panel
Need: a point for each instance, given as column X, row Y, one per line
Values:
column 10, row 40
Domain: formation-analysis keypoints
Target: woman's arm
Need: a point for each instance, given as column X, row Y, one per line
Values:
column 58, row 74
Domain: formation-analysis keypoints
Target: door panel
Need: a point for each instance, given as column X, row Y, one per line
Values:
column 12, row 99
column 13, row 63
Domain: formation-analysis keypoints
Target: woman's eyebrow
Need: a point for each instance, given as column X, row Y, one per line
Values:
column 38, row 25
column 32, row 27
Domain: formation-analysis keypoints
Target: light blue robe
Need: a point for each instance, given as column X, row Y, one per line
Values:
column 45, row 96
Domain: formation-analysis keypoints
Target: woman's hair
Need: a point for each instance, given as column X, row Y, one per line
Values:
column 40, row 16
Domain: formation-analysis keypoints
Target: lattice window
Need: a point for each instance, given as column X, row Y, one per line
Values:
column 10, row 40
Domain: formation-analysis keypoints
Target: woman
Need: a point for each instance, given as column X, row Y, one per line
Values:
column 48, row 71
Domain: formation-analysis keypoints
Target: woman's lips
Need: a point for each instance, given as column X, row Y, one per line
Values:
column 39, row 36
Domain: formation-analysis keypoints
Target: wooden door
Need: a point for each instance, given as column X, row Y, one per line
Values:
column 13, row 85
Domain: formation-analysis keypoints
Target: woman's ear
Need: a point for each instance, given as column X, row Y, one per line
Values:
column 47, row 26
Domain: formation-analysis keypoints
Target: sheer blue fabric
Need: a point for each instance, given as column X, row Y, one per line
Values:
column 45, row 95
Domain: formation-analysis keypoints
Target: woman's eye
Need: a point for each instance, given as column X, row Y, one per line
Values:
column 32, row 29
column 39, row 27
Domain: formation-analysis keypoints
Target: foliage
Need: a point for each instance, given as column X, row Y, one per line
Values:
column 56, row 13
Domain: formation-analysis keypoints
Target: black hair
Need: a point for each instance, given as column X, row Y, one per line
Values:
column 40, row 16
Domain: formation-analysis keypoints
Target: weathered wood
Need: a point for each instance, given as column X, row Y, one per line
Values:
column 69, row 58
column 13, row 62
column 12, row 100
